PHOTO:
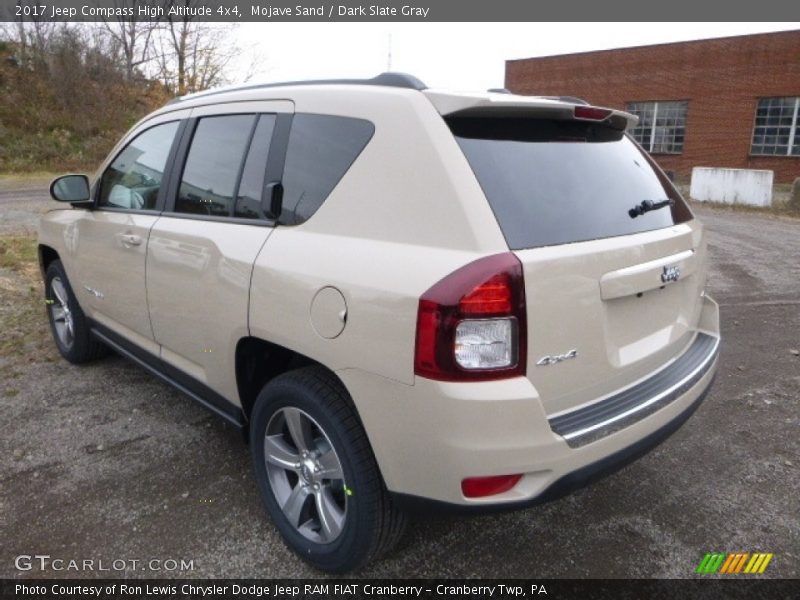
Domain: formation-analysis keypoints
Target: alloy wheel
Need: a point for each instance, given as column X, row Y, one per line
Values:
column 63, row 320
column 305, row 475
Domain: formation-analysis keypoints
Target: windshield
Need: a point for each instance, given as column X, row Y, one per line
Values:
column 554, row 182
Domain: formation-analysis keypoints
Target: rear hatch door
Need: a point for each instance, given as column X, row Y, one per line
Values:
column 613, row 285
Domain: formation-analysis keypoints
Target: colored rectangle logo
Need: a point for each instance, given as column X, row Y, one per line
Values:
column 734, row 563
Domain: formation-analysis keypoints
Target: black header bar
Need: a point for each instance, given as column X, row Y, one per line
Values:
column 713, row 587
column 398, row 10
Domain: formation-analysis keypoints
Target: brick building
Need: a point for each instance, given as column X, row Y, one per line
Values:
column 728, row 102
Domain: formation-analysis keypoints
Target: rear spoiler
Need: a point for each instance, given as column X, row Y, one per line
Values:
column 510, row 105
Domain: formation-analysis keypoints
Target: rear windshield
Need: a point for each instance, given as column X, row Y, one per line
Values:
column 554, row 182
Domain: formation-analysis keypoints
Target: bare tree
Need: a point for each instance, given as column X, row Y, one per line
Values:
column 193, row 56
column 132, row 37
column 184, row 54
column 33, row 35
column 66, row 97
column 211, row 51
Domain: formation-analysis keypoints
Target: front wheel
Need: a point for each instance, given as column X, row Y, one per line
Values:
column 67, row 322
column 317, row 475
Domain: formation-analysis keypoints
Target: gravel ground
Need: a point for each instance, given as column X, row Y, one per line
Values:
column 22, row 201
column 104, row 462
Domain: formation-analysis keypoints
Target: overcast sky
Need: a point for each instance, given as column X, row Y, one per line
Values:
column 446, row 55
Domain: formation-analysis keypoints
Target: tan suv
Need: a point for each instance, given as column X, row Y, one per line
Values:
column 405, row 297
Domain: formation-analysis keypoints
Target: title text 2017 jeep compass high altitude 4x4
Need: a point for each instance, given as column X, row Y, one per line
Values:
column 403, row 296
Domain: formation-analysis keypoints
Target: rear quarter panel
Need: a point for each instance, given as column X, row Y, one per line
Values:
column 408, row 212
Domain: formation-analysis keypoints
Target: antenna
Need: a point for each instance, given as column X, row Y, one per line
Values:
column 389, row 54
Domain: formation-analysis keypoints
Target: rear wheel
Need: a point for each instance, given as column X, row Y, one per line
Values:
column 317, row 475
column 67, row 321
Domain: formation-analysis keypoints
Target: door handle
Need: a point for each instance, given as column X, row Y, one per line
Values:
column 130, row 239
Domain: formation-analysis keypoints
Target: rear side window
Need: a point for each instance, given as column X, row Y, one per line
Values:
column 320, row 151
column 555, row 182
column 213, row 164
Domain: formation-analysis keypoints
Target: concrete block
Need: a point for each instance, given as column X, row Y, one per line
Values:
column 732, row 186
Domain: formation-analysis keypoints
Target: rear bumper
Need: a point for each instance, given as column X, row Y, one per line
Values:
column 430, row 436
column 584, row 425
column 567, row 484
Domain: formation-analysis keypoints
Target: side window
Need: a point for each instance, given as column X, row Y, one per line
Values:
column 320, row 151
column 134, row 177
column 248, row 198
column 212, row 166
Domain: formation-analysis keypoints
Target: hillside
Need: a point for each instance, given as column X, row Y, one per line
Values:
column 65, row 111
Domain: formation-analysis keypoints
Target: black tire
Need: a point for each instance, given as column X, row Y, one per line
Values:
column 82, row 346
column 372, row 523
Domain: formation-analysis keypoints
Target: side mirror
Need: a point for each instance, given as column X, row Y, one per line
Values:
column 70, row 188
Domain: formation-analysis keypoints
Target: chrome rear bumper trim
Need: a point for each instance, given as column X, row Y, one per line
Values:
column 600, row 419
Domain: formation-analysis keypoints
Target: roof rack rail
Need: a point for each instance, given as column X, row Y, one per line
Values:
column 499, row 91
column 387, row 79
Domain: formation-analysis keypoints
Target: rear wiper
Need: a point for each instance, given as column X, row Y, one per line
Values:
column 647, row 206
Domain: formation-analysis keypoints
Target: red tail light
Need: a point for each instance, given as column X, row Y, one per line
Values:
column 480, row 487
column 490, row 297
column 455, row 316
column 592, row 113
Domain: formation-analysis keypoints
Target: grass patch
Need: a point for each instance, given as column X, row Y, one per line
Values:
column 18, row 253
column 24, row 329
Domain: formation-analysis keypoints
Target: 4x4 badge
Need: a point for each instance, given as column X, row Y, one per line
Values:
column 557, row 358
column 670, row 274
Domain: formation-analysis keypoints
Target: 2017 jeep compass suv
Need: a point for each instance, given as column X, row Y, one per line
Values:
column 403, row 296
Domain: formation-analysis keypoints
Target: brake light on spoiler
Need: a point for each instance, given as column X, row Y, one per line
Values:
column 592, row 113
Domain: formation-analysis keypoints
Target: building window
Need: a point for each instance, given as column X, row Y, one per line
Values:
column 775, row 132
column 661, row 127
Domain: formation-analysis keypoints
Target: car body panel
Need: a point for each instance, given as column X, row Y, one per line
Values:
column 93, row 252
column 110, row 243
column 407, row 213
column 459, row 430
column 198, row 290
column 622, row 337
